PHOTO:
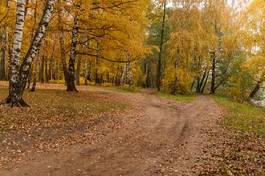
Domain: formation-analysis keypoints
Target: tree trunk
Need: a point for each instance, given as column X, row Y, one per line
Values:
column 174, row 86
column 159, row 64
column 62, row 48
column 46, row 71
column 97, row 66
column 255, row 90
column 205, row 82
column 29, row 79
column 3, row 54
column 36, row 43
column 86, row 72
column 71, row 70
column 213, row 75
column 15, row 98
column 34, row 75
column 19, row 74
column 78, row 68
column 124, row 75
column 148, row 74
column 41, row 72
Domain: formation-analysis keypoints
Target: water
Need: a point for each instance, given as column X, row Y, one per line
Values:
column 262, row 101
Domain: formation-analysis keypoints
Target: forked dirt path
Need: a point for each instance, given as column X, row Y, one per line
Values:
column 167, row 140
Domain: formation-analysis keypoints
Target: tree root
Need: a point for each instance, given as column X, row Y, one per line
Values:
column 74, row 89
column 11, row 102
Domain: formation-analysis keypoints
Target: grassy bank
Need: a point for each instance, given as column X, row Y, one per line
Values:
column 243, row 117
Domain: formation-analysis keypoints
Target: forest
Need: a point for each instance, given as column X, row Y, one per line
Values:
column 181, row 46
column 63, row 62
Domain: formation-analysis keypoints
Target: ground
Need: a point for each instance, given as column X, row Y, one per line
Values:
column 101, row 132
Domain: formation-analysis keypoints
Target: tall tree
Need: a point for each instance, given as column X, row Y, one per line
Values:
column 159, row 62
column 19, row 73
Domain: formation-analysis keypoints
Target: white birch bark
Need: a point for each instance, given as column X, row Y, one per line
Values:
column 16, row 49
column 19, row 73
column 36, row 42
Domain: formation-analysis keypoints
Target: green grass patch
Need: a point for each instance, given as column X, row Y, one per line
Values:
column 244, row 117
column 126, row 89
column 178, row 97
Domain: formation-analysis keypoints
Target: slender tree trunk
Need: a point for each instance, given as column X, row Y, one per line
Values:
column 36, row 43
column 71, row 70
column 62, row 48
column 86, row 72
column 148, row 75
column 41, row 72
column 200, row 81
column 46, row 71
column 63, row 57
column 213, row 75
column 254, row 92
column 3, row 54
column 96, row 67
column 159, row 64
column 205, row 82
column 78, row 68
column 29, row 79
column 124, row 75
column 174, row 86
column 34, row 75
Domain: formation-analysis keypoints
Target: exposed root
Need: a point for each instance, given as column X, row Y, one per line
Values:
column 12, row 102
column 71, row 89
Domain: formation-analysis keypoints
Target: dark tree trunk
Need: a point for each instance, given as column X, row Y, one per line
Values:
column 159, row 64
column 46, row 71
column 34, row 75
column 201, row 81
column 254, row 92
column 2, row 64
column 62, row 48
column 71, row 70
column 86, row 72
column 29, row 79
column 78, row 68
column 174, row 87
column 41, row 73
column 3, row 55
column 205, row 82
column 148, row 75
column 213, row 75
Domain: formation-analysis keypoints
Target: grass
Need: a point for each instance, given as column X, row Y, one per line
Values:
column 178, row 97
column 126, row 89
column 243, row 117
column 51, row 107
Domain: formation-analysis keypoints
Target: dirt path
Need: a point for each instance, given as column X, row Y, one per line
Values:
column 167, row 140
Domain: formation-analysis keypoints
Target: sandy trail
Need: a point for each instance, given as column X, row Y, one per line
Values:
column 167, row 140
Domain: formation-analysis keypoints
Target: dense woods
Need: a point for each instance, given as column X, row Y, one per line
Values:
column 176, row 46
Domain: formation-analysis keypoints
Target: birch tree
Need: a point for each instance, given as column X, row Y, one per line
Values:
column 13, row 97
column 19, row 72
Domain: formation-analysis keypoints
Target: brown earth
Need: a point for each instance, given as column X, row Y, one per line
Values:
column 168, row 138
